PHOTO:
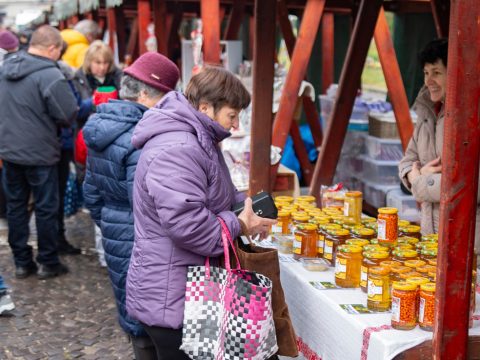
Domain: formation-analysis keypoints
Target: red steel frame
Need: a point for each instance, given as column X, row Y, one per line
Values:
column 210, row 10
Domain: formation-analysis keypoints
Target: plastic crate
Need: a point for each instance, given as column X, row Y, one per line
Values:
column 358, row 119
column 406, row 205
column 383, row 149
column 380, row 171
column 376, row 194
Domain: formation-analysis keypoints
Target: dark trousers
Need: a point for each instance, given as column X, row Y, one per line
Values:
column 143, row 348
column 3, row 201
column 63, row 171
column 167, row 342
column 42, row 181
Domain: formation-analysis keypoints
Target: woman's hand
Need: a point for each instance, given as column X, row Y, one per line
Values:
column 253, row 224
column 432, row 167
column 414, row 173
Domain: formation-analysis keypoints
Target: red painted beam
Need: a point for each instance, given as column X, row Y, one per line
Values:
column 298, row 68
column 460, row 165
column 393, row 78
column 160, row 21
column 308, row 106
column 144, row 14
column 262, row 99
column 349, row 80
column 210, row 10
column 301, row 152
column 132, row 46
column 235, row 20
column 441, row 12
column 328, row 68
column 121, row 35
column 112, row 27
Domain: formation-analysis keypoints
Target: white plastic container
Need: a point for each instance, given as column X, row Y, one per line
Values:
column 383, row 149
column 406, row 205
column 380, row 171
column 375, row 194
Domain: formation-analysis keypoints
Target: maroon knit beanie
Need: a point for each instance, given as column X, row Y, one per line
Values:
column 155, row 70
column 8, row 40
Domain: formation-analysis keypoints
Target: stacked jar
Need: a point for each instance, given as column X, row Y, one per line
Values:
column 404, row 306
column 378, row 293
column 387, row 232
column 353, row 205
column 417, row 281
column 426, row 312
column 410, row 231
column 333, row 239
column 401, row 255
column 347, row 266
column 370, row 259
column 284, row 223
column 362, row 233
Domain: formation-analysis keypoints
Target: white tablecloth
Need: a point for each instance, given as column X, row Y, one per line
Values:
column 325, row 331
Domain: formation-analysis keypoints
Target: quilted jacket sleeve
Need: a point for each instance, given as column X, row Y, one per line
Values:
column 406, row 164
column 179, row 190
column 91, row 194
column 131, row 165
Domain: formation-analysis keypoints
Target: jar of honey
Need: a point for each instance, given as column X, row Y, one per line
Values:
column 403, row 247
column 418, row 281
column 281, row 205
column 408, row 240
column 425, row 244
column 347, row 266
column 338, row 219
column 309, row 240
column 299, row 217
column 404, row 306
column 363, row 233
column 432, row 262
column 368, row 219
column 411, row 231
column 285, row 199
column 307, row 199
column 387, row 226
column 414, row 264
column 333, row 239
column 370, row 259
column 352, row 206
column 410, row 274
column 350, row 224
column 322, row 233
column 378, row 289
column 403, row 223
column 390, row 264
column 395, row 272
column 284, row 223
column 403, row 255
column 426, row 313
column 425, row 270
column 376, row 247
column 428, row 254
column 373, row 226
column 430, row 238
column 357, row 242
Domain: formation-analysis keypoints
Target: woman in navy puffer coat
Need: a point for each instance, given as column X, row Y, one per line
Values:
column 111, row 164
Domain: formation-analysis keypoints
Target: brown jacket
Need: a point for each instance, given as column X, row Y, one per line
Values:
column 426, row 145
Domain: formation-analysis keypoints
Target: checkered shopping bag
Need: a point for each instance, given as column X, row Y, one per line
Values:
column 228, row 312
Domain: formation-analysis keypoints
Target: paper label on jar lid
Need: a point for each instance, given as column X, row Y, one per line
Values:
column 382, row 229
column 346, row 207
column 277, row 228
column 363, row 276
column 341, row 268
column 396, row 308
column 328, row 250
column 375, row 290
column 421, row 311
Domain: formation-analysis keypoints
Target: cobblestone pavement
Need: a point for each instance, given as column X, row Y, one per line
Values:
column 72, row 316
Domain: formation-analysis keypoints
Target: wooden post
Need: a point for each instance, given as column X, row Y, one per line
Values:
column 160, row 21
column 173, row 38
column 132, row 46
column 298, row 68
column 210, row 10
column 441, row 12
column 112, row 27
column 234, row 20
column 348, row 87
column 458, row 200
column 263, row 61
column 393, row 78
column 121, row 35
column 143, row 22
column 328, row 55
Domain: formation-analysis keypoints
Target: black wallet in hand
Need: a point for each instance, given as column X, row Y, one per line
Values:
column 262, row 204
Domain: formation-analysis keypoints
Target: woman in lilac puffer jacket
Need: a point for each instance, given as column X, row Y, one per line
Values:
column 182, row 185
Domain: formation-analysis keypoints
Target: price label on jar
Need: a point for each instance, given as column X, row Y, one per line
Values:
column 363, row 276
column 421, row 311
column 375, row 290
column 396, row 308
column 382, row 229
column 297, row 245
column 320, row 244
column 328, row 250
column 346, row 208
column 341, row 268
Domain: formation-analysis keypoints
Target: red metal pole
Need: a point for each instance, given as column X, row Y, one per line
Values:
column 393, row 78
column 263, row 60
column 298, row 68
column 349, row 81
column 121, row 35
column 328, row 68
column 301, row 152
column 234, row 20
column 441, row 12
column 143, row 22
column 460, row 165
column 210, row 10
column 160, row 21
column 112, row 27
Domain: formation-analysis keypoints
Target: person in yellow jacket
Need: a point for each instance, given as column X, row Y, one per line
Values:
column 78, row 40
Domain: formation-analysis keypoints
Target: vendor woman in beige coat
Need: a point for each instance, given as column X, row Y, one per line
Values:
column 421, row 168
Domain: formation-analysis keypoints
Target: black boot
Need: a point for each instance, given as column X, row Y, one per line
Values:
column 65, row 248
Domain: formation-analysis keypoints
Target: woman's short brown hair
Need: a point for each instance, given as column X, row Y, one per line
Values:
column 217, row 87
column 97, row 49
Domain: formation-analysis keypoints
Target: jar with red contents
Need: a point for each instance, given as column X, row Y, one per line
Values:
column 404, row 306
column 387, row 220
column 426, row 312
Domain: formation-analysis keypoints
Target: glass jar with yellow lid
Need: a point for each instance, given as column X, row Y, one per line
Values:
column 286, row 199
column 404, row 305
column 390, row 264
column 402, row 223
column 307, row 198
column 426, row 269
column 333, row 239
column 357, row 242
column 430, row 238
column 411, row 274
column 428, row 253
column 413, row 264
column 284, row 223
column 403, row 247
column 426, row 311
column 373, row 226
column 410, row 231
column 352, row 205
column 407, row 240
column 418, row 281
column 333, row 210
column 376, row 247
column 314, row 212
column 396, row 271
column 299, row 217
column 347, row 266
column 403, row 255
column 370, row 259
column 280, row 205
column 432, row 262
column 305, row 206
column 424, row 245
column 349, row 224
column 378, row 293
column 387, row 221
column 368, row 219
column 362, row 233
column 322, row 233
column 309, row 240
column 338, row 219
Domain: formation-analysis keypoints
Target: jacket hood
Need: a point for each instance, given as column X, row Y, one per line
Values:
column 111, row 121
column 72, row 37
column 21, row 64
column 174, row 113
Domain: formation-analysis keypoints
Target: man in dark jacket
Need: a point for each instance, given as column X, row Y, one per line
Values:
column 35, row 101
